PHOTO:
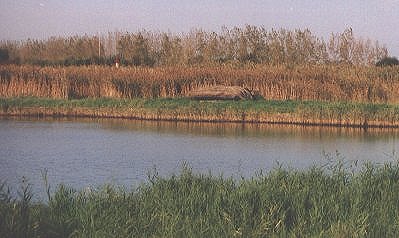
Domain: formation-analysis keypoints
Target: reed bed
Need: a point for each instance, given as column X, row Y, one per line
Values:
column 348, row 114
column 312, row 82
column 330, row 201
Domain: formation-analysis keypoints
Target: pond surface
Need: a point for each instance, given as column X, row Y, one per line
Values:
column 89, row 153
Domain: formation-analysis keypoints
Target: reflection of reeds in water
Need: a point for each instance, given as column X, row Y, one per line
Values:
column 333, row 201
column 247, row 129
column 317, row 82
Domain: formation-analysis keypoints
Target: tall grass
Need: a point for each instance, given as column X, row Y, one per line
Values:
column 331, row 201
column 317, row 82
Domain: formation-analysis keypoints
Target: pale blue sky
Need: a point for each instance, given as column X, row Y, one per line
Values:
column 375, row 19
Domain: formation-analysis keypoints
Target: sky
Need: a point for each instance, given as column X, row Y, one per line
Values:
column 40, row 19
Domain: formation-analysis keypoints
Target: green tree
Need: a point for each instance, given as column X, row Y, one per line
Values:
column 171, row 50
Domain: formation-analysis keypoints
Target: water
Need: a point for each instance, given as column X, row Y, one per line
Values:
column 90, row 153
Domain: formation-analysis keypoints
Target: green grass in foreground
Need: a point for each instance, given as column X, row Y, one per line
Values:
column 318, row 202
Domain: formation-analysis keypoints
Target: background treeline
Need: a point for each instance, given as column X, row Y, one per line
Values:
column 247, row 45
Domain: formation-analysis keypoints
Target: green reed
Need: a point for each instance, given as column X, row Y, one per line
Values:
column 331, row 201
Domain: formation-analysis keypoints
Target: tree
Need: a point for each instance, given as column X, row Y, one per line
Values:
column 170, row 51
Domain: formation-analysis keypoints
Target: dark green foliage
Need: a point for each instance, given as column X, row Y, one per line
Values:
column 387, row 61
column 334, row 201
column 4, row 55
column 15, row 214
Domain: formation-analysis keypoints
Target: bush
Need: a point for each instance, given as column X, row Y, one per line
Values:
column 4, row 56
column 387, row 61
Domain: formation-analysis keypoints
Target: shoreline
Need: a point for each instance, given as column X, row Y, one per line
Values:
column 276, row 120
column 302, row 113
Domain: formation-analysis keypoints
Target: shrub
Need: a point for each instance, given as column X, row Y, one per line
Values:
column 387, row 61
column 4, row 56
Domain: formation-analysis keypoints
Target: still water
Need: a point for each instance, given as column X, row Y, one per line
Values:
column 84, row 153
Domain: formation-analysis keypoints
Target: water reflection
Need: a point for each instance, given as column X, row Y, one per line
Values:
column 251, row 130
column 227, row 129
column 91, row 152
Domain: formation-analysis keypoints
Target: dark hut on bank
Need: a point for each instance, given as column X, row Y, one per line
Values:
column 220, row 92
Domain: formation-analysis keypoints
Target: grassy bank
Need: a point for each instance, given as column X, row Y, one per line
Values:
column 181, row 109
column 318, row 202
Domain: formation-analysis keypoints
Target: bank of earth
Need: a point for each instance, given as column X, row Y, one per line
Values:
column 346, row 114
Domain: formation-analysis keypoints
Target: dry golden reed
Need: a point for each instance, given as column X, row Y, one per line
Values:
column 315, row 82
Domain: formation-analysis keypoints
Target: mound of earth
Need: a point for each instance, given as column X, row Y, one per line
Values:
column 222, row 93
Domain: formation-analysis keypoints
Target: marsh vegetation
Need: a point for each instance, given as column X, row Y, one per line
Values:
column 281, row 65
column 330, row 201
